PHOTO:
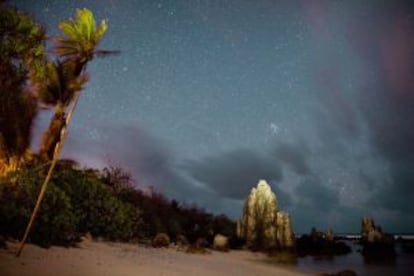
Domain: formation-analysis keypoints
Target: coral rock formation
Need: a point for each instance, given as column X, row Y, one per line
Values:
column 370, row 232
column 263, row 226
column 377, row 246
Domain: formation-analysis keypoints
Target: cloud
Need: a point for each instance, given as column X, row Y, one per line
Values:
column 233, row 174
column 370, row 101
column 295, row 156
column 313, row 194
column 317, row 205
column 147, row 158
column 388, row 109
column 219, row 183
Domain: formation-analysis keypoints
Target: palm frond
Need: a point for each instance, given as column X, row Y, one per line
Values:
column 86, row 23
column 81, row 36
column 69, row 29
column 105, row 53
column 100, row 31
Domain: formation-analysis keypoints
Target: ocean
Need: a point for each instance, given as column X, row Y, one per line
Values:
column 403, row 264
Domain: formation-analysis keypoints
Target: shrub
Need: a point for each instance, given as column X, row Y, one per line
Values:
column 76, row 202
column 56, row 221
column 161, row 240
column 96, row 206
column 181, row 240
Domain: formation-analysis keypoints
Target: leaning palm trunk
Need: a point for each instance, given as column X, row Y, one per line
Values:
column 52, row 136
column 62, row 89
column 57, row 149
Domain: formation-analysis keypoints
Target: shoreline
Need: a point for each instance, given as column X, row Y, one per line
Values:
column 110, row 258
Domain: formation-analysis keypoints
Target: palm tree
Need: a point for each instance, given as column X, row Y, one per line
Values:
column 67, row 76
column 63, row 86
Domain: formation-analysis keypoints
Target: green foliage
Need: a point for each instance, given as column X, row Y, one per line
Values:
column 96, row 206
column 101, row 213
column 66, row 77
column 103, row 203
column 81, row 36
column 28, row 77
column 56, row 223
column 22, row 56
column 76, row 202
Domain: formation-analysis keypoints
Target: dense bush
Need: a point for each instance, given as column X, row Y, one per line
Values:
column 105, row 205
column 96, row 206
column 76, row 202
column 161, row 240
column 160, row 214
column 56, row 222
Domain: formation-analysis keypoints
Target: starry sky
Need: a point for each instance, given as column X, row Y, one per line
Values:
column 208, row 97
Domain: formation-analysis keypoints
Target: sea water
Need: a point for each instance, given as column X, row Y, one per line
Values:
column 403, row 264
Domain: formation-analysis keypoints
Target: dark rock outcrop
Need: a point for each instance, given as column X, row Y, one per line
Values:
column 376, row 245
column 320, row 244
column 369, row 231
column 407, row 246
column 263, row 226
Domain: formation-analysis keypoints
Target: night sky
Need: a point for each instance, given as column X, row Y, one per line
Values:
column 208, row 97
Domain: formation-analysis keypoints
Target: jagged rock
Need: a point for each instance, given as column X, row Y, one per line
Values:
column 221, row 242
column 376, row 245
column 262, row 225
column 329, row 235
column 161, row 240
column 374, row 236
column 370, row 232
column 285, row 236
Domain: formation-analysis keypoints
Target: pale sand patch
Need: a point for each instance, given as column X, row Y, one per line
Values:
column 110, row 259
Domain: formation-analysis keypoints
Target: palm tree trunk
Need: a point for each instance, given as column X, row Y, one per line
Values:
column 56, row 152
column 52, row 136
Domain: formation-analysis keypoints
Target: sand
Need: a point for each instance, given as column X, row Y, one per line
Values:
column 107, row 259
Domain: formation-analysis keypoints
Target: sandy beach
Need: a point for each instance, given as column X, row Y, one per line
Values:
column 103, row 258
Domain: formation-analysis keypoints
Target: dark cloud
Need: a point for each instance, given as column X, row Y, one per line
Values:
column 314, row 195
column 378, row 104
column 232, row 174
column 388, row 107
column 397, row 194
column 295, row 156
column 147, row 158
column 317, row 205
column 127, row 146
column 223, row 180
